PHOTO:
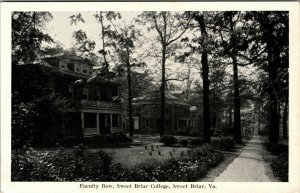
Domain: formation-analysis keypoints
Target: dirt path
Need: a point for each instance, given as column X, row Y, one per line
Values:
column 249, row 166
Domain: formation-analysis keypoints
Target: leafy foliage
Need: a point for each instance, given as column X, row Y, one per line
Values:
column 183, row 142
column 27, row 35
column 168, row 140
column 196, row 142
column 81, row 165
column 30, row 165
column 23, row 125
column 280, row 167
column 38, row 123
column 225, row 144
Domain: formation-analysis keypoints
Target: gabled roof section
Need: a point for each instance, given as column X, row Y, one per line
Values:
column 71, row 57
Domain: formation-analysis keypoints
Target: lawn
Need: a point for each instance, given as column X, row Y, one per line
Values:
column 141, row 150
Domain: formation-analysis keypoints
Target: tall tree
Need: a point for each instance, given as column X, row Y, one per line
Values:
column 27, row 35
column 123, row 41
column 169, row 27
column 270, row 47
column 233, row 41
column 205, row 71
column 106, row 31
column 105, row 18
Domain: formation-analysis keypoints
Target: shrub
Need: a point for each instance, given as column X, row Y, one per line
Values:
column 29, row 165
column 183, row 132
column 225, row 144
column 276, row 149
column 146, row 171
column 183, row 142
column 81, row 165
column 196, row 142
column 168, row 140
column 121, row 138
column 265, row 130
column 189, row 167
column 280, row 167
column 22, row 124
column 113, row 139
column 71, row 141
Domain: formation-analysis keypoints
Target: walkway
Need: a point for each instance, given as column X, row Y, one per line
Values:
column 252, row 165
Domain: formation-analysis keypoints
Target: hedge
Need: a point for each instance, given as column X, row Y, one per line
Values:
column 81, row 165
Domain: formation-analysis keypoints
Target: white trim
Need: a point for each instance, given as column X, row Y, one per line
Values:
column 98, row 123
column 82, row 120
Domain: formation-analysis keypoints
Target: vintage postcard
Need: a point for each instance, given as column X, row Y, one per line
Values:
column 150, row 97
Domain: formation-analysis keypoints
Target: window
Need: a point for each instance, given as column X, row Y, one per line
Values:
column 98, row 95
column 90, row 70
column 70, row 66
column 63, row 65
column 85, row 93
column 71, row 90
column 115, row 120
column 77, row 68
column 84, row 69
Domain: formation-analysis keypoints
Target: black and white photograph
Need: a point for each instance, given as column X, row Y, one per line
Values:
column 150, row 96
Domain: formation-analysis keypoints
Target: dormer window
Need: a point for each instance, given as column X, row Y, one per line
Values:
column 63, row 65
column 77, row 68
column 90, row 70
column 70, row 66
column 84, row 69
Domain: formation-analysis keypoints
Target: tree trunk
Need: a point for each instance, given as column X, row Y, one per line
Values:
column 214, row 123
column 274, row 119
column 163, row 87
column 129, row 95
column 230, row 117
column 285, row 116
column 205, row 70
column 237, row 103
column 103, row 47
column 259, row 117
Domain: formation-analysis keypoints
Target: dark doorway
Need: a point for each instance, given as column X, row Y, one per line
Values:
column 102, row 125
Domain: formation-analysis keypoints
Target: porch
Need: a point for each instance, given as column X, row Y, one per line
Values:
column 100, row 123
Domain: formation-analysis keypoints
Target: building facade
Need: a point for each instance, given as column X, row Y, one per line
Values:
column 94, row 108
column 180, row 117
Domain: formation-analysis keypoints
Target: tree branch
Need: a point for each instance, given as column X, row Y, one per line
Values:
column 157, row 28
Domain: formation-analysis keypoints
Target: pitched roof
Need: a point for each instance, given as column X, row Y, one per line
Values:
column 70, row 57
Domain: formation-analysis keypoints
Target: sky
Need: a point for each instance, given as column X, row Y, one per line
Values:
column 61, row 30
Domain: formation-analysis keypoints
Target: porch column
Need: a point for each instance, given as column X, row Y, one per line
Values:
column 110, row 117
column 121, row 121
column 98, row 125
column 82, row 120
column 173, row 117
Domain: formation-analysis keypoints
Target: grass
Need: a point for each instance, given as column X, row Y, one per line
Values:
column 137, row 154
